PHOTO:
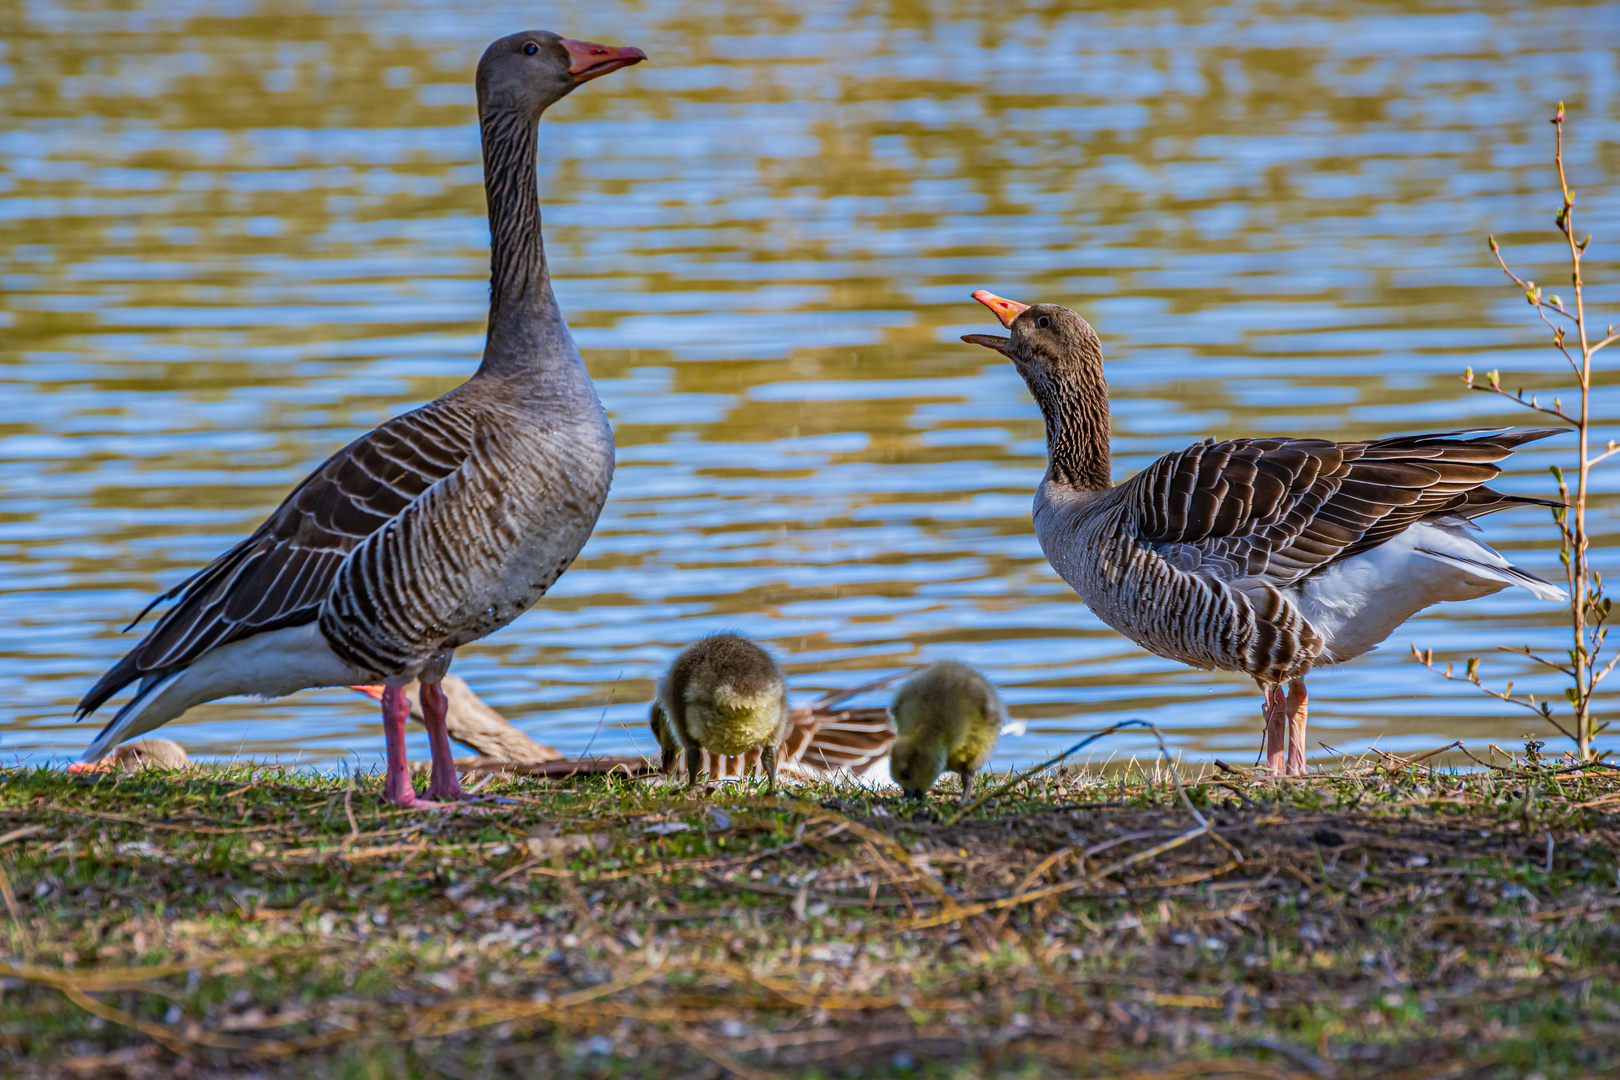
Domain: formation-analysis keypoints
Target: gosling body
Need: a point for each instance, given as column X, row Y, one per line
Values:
column 723, row 694
column 947, row 717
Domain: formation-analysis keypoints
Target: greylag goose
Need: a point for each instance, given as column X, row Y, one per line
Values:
column 135, row 756
column 439, row 527
column 725, row 695
column 1266, row 556
column 947, row 716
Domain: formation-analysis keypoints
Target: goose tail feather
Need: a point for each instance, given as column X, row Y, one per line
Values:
column 140, row 714
column 1503, row 571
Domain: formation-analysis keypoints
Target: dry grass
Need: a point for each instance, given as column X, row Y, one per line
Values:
column 1391, row 920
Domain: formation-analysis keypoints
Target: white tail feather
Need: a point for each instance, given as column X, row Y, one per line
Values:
column 1504, row 572
column 136, row 717
column 271, row 664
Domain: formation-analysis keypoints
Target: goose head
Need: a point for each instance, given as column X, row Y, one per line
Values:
column 524, row 73
column 1049, row 344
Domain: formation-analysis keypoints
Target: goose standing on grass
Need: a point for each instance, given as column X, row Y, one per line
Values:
column 1266, row 556
column 439, row 527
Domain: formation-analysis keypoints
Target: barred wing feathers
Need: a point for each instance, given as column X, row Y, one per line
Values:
column 281, row 574
column 1280, row 509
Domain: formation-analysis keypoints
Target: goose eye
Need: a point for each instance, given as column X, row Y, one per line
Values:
column 530, row 48
column 1043, row 322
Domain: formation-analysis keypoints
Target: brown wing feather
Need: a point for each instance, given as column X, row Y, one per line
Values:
column 279, row 576
column 1281, row 509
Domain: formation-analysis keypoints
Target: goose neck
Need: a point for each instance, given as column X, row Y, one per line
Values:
column 1074, row 405
column 525, row 323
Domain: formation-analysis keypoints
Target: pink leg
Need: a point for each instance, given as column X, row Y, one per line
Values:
column 1296, row 727
column 1275, row 711
column 397, row 786
column 445, row 784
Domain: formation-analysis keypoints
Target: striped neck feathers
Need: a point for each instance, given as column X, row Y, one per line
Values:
column 525, row 322
column 1073, row 400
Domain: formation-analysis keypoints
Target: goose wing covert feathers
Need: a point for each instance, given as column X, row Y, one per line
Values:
column 1280, row 509
column 282, row 574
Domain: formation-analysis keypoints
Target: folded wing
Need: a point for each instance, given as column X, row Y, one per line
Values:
column 1278, row 510
column 280, row 575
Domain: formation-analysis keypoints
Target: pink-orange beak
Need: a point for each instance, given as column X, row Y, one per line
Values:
column 587, row 60
column 1006, row 310
column 375, row 693
column 90, row 766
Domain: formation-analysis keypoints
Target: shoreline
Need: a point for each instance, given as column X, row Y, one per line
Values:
column 251, row 921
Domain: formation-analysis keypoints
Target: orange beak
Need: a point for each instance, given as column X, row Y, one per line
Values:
column 587, row 60
column 89, row 766
column 375, row 693
column 1006, row 310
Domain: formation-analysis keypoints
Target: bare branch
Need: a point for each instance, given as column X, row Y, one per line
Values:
column 1524, row 650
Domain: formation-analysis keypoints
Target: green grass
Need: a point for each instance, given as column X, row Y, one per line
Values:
column 1380, row 922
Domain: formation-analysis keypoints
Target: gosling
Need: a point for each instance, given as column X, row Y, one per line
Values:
column 723, row 694
column 948, row 717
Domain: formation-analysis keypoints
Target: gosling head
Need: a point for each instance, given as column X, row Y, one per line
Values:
column 916, row 763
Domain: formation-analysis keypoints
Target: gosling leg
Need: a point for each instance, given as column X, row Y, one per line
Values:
column 694, row 765
column 967, row 786
column 767, row 758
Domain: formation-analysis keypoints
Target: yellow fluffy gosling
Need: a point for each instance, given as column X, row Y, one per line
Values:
column 723, row 694
column 948, row 717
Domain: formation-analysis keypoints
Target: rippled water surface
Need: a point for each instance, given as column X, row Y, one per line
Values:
column 235, row 238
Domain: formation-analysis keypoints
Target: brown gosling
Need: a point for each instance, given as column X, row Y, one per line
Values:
column 948, row 717
column 723, row 694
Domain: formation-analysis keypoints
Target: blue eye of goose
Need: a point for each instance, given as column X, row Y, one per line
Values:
column 530, row 49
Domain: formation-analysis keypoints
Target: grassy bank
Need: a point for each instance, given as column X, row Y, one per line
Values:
column 1387, row 921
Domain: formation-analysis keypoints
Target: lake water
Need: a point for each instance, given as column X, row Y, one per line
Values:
column 234, row 240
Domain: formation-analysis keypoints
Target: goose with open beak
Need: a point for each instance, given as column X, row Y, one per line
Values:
column 1267, row 556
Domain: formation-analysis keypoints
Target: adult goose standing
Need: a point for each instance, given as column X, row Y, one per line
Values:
column 1268, row 556
column 439, row 527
